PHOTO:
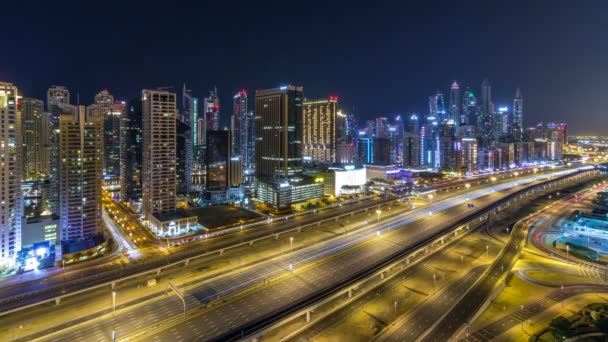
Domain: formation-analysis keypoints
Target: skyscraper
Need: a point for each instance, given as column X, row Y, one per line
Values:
column 456, row 104
column 470, row 109
column 191, row 119
column 381, row 129
column 55, row 96
column 183, row 160
column 278, row 131
column 110, row 112
column 211, row 106
column 486, row 97
column 319, row 129
column 81, row 143
column 36, row 131
column 238, row 124
column 159, row 143
column 131, row 140
column 518, row 115
column 218, row 155
column 411, row 150
column 11, row 205
column 468, row 154
column 437, row 107
column 485, row 122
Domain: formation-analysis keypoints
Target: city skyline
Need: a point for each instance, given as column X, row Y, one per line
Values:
column 510, row 58
column 342, row 172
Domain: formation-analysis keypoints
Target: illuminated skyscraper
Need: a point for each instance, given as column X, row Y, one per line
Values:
column 211, row 107
column 319, row 129
column 183, row 140
column 456, row 104
column 81, row 144
column 55, row 96
column 518, row 115
column 437, row 107
column 238, row 124
column 486, row 97
column 36, row 131
column 411, row 150
column 131, row 140
column 110, row 112
column 381, row 130
column 468, row 154
column 159, row 143
column 278, row 131
column 470, row 109
column 11, row 206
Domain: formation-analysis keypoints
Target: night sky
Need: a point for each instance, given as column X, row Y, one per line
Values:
column 380, row 58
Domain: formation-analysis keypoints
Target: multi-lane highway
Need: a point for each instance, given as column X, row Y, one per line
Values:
column 416, row 321
column 302, row 274
column 15, row 294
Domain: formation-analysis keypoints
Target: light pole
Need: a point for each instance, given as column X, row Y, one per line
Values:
column 291, row 244
column 113, row 302
column 468, row 186
column 522, row 317
column 567, row 251
column 434, row 285
column 378, row 212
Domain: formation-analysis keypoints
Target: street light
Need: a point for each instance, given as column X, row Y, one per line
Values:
column 378, row 212
column 567, row 251
column 291, row 244
column 113, row 302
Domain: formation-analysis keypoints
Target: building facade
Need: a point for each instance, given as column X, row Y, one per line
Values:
column 278, row 127
column 80, row 174
column 36, row 132
column 159, row 143
column 11, row 205
column 131, row 140
column 319, row 129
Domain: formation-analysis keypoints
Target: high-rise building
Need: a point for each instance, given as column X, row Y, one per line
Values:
column 319, row 129
column 191, row 119
column 11, row 205
column 365, row 150
column 238, row 125
column 110, row 112
column 183, row 140
column 382, row 152
column 437, row 107
column 36, row 132
column 468, row 154
column 131, row 140
column 345, row 146
column 381, row 129
column 470, row 109
column 211, row 106
column 55, row 96
column 486, row 97
column 411, row 150
column 485, row 121
column 249, row 159
column 518, row 116
column 413, row 124
column 278, row 127
column 456, row 104
column 80, row 175
column 159, row 143
column 502, row 123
